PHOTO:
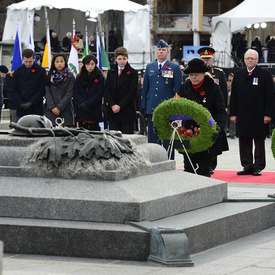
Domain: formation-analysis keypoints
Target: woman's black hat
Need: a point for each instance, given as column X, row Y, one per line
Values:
column 88, row 58
column 196, row 65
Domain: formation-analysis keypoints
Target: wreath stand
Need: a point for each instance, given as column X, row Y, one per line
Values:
column 168, row 117
column 177, row 144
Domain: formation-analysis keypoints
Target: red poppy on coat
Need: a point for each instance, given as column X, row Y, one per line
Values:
column 165, row 67
column 202, row 93
column 65, row 79
column 33, row 70
column 96, row 80
column 128, row 72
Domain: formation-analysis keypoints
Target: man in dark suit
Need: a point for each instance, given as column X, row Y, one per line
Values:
column 162, row 80
column 120, row 93
column 251, row 104
column 28, row 86
column 206, row 54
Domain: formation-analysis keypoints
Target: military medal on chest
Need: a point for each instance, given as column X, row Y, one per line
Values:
column 217, row 81
column 255, row 80
column 167, row 74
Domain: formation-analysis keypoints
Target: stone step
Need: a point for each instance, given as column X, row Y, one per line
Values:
column 148, row 197
column 74, row 239
column 218, row 224
column 205, row 229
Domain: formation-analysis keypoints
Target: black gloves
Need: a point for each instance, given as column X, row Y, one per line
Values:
column 84, row 107
column 215, row 135
column 25, row 106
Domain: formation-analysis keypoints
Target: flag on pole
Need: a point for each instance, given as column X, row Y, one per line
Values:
column 31, row 42
column 47, row 56
column 73, row 58
column 17, row 54
column 86, row 49
column 103, row 62
column 98, row 52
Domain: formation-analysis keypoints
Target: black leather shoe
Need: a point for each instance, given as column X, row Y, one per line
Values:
column 245, row 172
column 257, row 172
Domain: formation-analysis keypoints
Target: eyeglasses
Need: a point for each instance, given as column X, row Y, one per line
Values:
column 250, row 58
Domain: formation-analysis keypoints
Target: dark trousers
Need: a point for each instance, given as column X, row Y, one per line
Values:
column 125, row 127
column 152, row 136
column 202, row 160
column 214, row 162
column 89, row 126
column 246, row 152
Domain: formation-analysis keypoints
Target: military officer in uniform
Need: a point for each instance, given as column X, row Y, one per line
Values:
column 162, row 80
column 206, row 54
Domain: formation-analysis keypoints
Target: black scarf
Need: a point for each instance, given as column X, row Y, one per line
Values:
column 88, row 79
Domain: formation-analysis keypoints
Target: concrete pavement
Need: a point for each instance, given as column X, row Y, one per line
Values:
column 251, row 255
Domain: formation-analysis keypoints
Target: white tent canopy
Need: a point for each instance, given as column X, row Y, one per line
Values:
column 131, row 19
column 248, row 12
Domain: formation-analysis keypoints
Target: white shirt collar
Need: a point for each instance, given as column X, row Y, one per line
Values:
column 162, row 64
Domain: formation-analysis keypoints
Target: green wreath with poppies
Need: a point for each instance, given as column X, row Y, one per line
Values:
column 180, row 109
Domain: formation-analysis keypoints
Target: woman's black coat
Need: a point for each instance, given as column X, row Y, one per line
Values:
column 209, row 95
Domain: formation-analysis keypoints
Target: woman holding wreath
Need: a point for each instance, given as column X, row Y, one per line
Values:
column 201, row 88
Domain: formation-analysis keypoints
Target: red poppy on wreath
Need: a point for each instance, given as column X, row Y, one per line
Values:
column 96, row 80
column 202, row 93
column 33, row 70
column 165, row 67
column 128, row 72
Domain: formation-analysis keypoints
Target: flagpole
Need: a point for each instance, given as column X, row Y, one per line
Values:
column 73, row 27
column 48, row 39
column 87, row 41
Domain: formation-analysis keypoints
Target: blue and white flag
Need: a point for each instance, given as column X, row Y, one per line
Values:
column 103, row 62
column 98, row 51
column 17, row 54
column 31, row 43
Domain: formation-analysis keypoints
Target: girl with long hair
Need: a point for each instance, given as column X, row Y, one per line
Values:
column 88, row 93
column 59, row 91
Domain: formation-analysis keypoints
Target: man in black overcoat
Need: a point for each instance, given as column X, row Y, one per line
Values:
column 251, row 105
column 206, row 54
column 28, row 86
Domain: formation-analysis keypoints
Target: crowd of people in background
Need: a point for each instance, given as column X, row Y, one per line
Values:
column 64, row 45
column 124, row 99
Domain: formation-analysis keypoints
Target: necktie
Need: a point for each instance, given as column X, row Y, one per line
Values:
column 159, row 67
column 120, row 71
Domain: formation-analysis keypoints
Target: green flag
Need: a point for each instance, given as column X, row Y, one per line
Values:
column 86, row 49
column 104, row 59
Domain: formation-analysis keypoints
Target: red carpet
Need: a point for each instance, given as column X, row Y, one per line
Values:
column 231, row 176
